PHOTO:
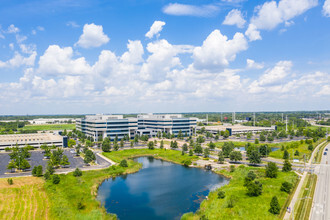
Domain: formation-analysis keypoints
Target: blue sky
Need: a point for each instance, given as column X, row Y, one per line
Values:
column 122, row 56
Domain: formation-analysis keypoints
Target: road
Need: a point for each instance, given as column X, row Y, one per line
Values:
column 321, row 202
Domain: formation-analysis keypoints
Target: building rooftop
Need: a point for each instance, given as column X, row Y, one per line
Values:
column 159, row 116
column 25, row 138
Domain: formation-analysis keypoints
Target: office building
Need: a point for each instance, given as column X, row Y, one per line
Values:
column 101, row 126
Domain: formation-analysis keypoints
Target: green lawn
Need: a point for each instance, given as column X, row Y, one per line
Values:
column 171, row 155
column 49, row 127
column 245, row 207
column 65, row 196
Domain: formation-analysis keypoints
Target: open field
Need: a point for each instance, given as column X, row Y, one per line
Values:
column 25, row 199
column 245, row 207
column 49, row 127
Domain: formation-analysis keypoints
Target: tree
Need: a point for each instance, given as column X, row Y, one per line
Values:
column 232, row 168
column 254, row 157
column 227, row 148
column 296, row 153
column 206, row 152
column 121, row 143
column 71, row 143
column 286, row 187
column 254, row 188
column 191, row 153
column 10, row 181
column 39, row 171
column 249, row 178
column 25, row 164
column 212, row 145
column 50, row 169
column 131, row 143
column 89, row 156
column 226, row 134
column 136, row 139
column 161, row 144
column 56, row 179
column 77, row 172
column 11, row 165
column 249, row 135
column 200, row 139
column 34, row 171
column 310, row 147
column 287, row 166
column 256, row 141
column 231, row 201
column 198, row 149
column 285, row 155
column 270, row 138
column 151, row 145
column 115, row 146
column 271, row 170
column 274, row 206
column 184, row 147
column 106, row 145
column 264, row 150
column 221, row 157
column 221, row 194
column 262, row 137
column 235, row 156
column 123, row 163
column 65, row 161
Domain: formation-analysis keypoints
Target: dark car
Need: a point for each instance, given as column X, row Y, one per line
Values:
column 325, row 153
column 326, row 149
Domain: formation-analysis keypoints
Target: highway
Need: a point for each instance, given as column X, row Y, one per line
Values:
column 321, row 202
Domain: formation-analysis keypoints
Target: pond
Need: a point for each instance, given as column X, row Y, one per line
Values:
column 272, row 149
column 160, row 190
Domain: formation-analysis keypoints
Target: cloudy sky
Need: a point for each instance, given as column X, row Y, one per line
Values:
column 123, row 56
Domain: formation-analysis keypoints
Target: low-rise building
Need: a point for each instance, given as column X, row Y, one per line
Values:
column 35, row 140
column 168, row 123
column 237, row 129
column 101, row 126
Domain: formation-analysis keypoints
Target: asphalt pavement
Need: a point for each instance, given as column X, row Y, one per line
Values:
column 321, row 202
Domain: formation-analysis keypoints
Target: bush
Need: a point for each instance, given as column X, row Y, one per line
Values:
column 286, row 187
column 296, row 153
column 274, row 206
column 232, row 168
column 221, row 194
column 47, row 175
column 123, row 163
column 10, row 181
column 254, row 188
column 34, row 171
column 231, row 201
column 80, row 206
column 285, row 155
column 249, row 178
column 187, row 162
column 77, row 172
column 271, row 170
column 56, row 179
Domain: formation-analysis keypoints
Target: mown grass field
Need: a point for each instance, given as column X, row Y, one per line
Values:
column 49, row 127
column 171, row 155
column 245, row 207
column 25, row 199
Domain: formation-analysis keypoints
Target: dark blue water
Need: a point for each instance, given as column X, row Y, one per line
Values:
column 160, row 190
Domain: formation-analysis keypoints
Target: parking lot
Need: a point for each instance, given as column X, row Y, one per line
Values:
column 36, row 159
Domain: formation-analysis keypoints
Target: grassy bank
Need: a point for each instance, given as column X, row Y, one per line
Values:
column 49, row 127
column 65, row 197
column 319, row 153
column 170, row 155
column 25, row 199
column 245, row 207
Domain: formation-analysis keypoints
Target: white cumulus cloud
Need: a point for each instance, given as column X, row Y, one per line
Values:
column 234, row 17
column 326, row 8
column 251, row 64
column 92, row 36
column 190, row 10
column 155, row 28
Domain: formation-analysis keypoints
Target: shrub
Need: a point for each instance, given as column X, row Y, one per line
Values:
column 123, row 163
column 77, row 172
column 232, row 168
column 254, row 188
column 10, row 181
column 187, row 162
column 274, row 206
column 231, row 201
column 249, row 178
column 221, row 194
column 34, row 171
column 47, row 175
column 56, row 179
column 80, row 206
column 286, row 187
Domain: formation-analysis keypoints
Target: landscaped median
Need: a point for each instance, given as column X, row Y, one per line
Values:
column 244, row 206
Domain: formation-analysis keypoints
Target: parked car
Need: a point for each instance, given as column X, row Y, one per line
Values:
column 325, row 153
column 326, row 149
